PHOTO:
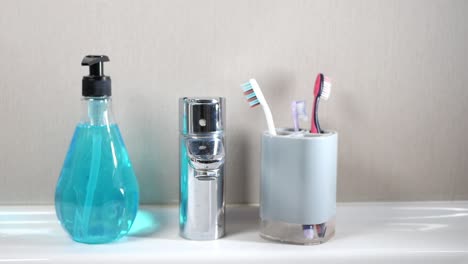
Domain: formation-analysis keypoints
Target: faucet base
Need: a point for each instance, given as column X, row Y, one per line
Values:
column 203, row 236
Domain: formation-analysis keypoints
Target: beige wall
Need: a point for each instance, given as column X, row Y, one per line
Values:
column 399, row 100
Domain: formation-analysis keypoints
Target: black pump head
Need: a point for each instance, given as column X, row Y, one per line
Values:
column 96, row 84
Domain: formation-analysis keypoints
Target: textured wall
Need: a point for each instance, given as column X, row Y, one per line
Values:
column 399, row 100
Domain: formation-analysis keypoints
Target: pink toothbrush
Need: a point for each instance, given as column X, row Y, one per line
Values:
column 321, row 90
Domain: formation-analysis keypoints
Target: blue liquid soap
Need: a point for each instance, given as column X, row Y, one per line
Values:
column 97, row 192
column 96, row 198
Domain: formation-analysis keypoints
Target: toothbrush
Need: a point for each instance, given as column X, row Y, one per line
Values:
column 298, row 112
column 311, row 230
column 322, row 89
column 255, row 97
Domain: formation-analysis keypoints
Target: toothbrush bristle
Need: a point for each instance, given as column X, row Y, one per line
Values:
column 254, row 103
column 326, row 89
column 250, row 94
column 301, row 110
column 246, row 86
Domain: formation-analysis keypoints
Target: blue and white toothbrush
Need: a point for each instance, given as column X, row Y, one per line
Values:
column 255, row 97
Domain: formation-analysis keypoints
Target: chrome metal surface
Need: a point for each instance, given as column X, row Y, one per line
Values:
column 202, row 158
column 201, row 115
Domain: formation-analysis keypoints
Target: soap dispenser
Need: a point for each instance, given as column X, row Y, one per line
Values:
column 96, row 198
column 202, row 158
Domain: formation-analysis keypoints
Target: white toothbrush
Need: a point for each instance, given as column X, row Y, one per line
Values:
column 255, row 97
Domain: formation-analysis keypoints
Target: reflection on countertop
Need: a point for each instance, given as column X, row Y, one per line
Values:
column 407, row 232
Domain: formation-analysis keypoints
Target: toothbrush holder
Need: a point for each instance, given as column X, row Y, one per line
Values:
column 298, row 186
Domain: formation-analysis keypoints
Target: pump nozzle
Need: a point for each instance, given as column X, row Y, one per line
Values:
column 96, row 84
column 95, row 63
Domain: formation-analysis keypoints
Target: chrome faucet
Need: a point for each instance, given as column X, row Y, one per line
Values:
column 202, row 156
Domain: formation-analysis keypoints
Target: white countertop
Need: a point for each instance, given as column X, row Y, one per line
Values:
column 423, row 232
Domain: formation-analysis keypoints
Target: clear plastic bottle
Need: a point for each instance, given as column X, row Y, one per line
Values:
column 96, row 198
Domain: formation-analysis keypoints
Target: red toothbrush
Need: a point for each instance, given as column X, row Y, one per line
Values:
column 321, row 90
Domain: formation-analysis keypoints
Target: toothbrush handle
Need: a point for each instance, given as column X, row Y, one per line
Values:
column 314, row 126
column 294, row 116
column 269, row 118
column 317, row 124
